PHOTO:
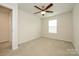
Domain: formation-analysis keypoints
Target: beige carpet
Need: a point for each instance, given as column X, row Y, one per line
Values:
column 42, row 47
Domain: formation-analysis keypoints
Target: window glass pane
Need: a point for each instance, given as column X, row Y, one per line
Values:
column 52, row 26
column 53, row 23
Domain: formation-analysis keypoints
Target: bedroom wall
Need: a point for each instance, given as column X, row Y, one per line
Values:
column 76, row 27
column 64, row 27
column 29, row 26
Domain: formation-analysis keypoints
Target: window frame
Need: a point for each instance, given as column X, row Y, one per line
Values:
column 55, row 31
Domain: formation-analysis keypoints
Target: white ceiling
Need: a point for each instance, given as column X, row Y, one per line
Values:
column 58, row 8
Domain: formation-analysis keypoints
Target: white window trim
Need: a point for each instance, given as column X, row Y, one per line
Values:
column 55, row 31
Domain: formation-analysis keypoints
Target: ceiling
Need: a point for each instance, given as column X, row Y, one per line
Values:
column 58, row 8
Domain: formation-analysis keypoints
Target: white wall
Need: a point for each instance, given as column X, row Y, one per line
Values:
column 14, row 8
column 64, row 22
column 29, row 27
column 76, row 27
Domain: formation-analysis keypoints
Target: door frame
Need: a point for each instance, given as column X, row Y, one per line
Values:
column 14, row 24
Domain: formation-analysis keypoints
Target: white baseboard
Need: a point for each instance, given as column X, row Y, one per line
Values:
column 27, row 40
column 56, row 39
column 4, row 41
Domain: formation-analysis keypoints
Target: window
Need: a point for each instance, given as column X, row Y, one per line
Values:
column 52, row 26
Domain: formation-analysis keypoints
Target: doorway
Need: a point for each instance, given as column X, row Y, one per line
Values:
column 5, row 27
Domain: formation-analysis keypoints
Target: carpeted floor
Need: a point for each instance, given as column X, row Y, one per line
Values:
column 42, row 47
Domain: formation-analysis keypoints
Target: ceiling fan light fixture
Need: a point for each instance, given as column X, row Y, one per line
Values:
column 44, row 9
column 43, row 12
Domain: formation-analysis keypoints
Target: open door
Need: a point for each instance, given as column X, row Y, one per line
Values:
column 5, row 27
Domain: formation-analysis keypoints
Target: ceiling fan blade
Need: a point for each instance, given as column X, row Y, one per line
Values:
column 48, row 6
column 38, row 8
column 49, row 11
column 37, row 12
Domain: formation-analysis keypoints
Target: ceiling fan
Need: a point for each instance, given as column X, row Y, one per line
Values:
column 44, row 9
